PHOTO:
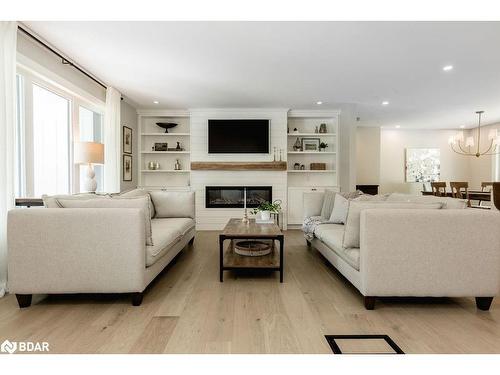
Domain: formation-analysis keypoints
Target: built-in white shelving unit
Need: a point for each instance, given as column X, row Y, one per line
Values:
column 150, row 133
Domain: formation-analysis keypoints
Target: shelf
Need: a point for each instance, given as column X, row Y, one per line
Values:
column 165, row 171
column 239, row 166
column 312, row 152
column 165, row 152
column 312, row 134
column 312, row 171
column 167, row 134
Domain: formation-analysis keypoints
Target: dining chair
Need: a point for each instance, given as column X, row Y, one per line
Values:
column 438, row 189
column 486, row 186
column 459, row 189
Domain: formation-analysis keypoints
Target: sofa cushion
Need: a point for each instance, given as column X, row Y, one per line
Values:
column 173, row 203
column 448, row 202
column 352, row 226
column 328, row 204
column 115, row 202
column 140, row 193
column 166, row 233
column 339, row 212
column 331, row 235
column 50, row 201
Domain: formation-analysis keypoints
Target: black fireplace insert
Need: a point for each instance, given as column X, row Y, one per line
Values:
column 233, row 196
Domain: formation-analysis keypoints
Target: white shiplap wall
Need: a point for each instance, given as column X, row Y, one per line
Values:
column 214, row 218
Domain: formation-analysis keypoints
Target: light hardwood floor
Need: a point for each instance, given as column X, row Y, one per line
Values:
column 187, row 310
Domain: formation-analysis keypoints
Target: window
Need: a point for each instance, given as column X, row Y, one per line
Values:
column 50, row 118
column 91, row 130
column 51, row 143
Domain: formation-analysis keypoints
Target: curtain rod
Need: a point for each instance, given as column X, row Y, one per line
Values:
column 64, row 60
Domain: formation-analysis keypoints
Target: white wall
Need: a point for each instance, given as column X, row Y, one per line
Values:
column 214, row 219
column 347, row 148
column 128, row 117
column 367, row 156
column 482, row 168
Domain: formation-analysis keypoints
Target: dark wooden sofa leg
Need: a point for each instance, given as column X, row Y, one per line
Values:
column 24, row 300
column 191, row 241
column 483, row 303
column 308, row 243
column 137, row 298
column 369, row 303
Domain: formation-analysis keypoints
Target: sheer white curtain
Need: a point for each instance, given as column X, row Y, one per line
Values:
column 112, row 160
column 8, row 40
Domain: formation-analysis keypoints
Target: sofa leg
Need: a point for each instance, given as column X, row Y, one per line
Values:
column 369, row 303
column 137, row 298
column 191, row 241
column 308, row 243
column 483, row 303
column 24, row 300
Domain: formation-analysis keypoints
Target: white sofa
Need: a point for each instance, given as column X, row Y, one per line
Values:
column 95, row 250
column 416, row 252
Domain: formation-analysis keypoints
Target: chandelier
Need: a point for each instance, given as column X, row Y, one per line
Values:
column 457, row 142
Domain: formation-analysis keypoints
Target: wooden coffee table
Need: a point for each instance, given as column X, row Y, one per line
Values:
column 236, row 230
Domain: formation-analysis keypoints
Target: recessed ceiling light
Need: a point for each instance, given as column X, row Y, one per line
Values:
column 398, row 126
column 462, row 126
column 319, row 102
column 447, row 68
column 156, row 102
column 385, row 102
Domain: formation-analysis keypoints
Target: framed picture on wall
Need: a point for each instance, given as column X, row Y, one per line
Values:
column 127, row 140
column 127, row 167
column 423, row 164
column 310, row 144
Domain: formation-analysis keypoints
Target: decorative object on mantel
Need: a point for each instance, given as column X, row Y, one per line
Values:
column 166, row 125
column 297, row 146
column 178, row 147
column 281, row 154
column 496, row 194
column 274, row 153
column 322, row 146
column 127, row 140
column 317, row 166
column 239, row 166
column 310, row 144
column 296, row 166
column 245, row 214
column 90, row 153
column 322, row 128
column 302, row 167
column 161, row 146
column 457, row 142
column 177, row 165
column 153, row 165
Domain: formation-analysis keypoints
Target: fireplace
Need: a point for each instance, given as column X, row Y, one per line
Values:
column 233, row 196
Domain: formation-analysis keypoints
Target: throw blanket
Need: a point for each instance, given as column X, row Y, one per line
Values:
column 310, row 224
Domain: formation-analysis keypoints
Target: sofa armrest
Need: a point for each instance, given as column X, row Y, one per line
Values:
column 313, row 202
column 69, row 250
column 454, row 253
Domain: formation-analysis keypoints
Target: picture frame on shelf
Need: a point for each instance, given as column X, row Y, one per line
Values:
column 127, row 167
column 161, row 146
column 127, row 140
column 310, row 144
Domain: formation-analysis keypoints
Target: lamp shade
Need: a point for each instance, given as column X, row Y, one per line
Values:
column 89, row 153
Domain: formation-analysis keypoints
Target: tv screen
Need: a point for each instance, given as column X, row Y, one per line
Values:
column 238, row 136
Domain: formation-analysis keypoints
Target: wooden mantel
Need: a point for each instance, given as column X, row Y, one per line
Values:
column 238, row 166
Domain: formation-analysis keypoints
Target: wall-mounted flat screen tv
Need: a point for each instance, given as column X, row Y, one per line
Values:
column 248, row 136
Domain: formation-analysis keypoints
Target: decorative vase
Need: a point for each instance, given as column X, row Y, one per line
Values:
column 297, row 146
column 265, row 215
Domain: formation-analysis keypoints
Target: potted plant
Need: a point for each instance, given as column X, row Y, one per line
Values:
column 322, row 146
column 266, row 208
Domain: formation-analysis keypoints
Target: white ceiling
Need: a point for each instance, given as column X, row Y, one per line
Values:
column 295, row 64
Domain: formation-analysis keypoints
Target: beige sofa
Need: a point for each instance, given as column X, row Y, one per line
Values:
column 415, row 252
column 96, row 250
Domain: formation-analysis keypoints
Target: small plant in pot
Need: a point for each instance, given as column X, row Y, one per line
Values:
column 267, row 208
column 322, row 146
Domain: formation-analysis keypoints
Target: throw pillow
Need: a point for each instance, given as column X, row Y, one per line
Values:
column 352, row 225
column 339, row 212
column 116, row 202
column 328, row 203
column 50, row 201
column 140, row 193
column 173, row 203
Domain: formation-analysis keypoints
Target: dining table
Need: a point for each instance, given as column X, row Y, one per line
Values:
column 472, row 195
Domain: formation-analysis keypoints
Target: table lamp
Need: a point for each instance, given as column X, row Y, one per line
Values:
column 89, row 153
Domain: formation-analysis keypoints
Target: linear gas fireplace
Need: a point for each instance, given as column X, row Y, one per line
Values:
column 232, row 196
